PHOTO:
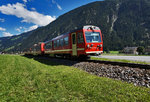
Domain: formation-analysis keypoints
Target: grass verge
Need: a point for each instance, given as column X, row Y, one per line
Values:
column 33, row 79
column 112, row 53
column 118, row 60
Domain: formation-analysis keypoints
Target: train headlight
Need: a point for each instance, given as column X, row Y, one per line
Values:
column 101, row 45
column 88, row 46
column 91, row 45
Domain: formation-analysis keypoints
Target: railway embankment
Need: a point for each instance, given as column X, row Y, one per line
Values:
column 139, row 76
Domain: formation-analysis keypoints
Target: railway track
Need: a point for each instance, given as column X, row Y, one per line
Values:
column 132, row 65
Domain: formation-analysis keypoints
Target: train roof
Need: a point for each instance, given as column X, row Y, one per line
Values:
column 80, row 28
column 91, row 27
column 86, row 27
column 59, row 36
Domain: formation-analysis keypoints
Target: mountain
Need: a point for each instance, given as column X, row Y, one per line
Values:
column 10, row 43
column 123, row 23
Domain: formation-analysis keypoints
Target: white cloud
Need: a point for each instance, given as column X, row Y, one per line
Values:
column 20, row 11
column 25, row 1
column 2, row 29
column 59, row 7
column 23, row 29
column 18, row 29
column 2, row 20
column 33, row 27
column 33, row 9
column 5, row 34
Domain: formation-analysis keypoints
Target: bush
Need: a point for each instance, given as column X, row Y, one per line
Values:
column 140, row 50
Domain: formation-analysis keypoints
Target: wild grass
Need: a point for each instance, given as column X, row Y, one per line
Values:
column 112, row 53
column 119, row 60
column 39, row 80
column 116, row 53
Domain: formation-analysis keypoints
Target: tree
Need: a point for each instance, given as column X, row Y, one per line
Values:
column 140, row 50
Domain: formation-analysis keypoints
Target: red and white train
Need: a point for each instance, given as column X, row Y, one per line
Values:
column 78, row 43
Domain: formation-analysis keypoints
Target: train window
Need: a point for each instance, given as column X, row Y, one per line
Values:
column 80, row 37
column 66, row 40
column 61, row 42
column 48, row 45
column 55, row 43
column 92, row 37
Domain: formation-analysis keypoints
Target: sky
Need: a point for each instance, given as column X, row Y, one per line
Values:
column 18, row 16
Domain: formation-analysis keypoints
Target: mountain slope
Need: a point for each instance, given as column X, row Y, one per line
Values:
column 10, row 43
column 123, row 23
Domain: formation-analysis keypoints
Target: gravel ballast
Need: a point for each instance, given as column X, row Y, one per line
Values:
column 137, row 76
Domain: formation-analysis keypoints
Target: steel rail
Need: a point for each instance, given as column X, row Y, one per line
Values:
column 133, row 65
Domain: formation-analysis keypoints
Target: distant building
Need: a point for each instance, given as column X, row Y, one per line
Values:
column 147, row 51
column 130, row 50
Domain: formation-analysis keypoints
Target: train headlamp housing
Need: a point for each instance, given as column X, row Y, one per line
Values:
column 88, row 46
column 101, row 45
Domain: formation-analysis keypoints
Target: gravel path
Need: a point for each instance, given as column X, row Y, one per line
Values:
column 133, row 58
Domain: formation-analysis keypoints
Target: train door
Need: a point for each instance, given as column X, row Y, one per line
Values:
column 74, row 44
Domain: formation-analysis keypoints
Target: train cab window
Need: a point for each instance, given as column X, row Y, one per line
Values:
column 66, row 40
column 61, row 42
column 80, row 37
column 55, row 43
column 92, row 37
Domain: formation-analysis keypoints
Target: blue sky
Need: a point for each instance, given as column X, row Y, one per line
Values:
column 18, row 16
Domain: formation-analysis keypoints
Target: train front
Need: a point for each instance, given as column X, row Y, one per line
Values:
column 93, row 40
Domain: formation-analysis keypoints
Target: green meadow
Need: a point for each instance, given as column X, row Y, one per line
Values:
column 24, row 79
